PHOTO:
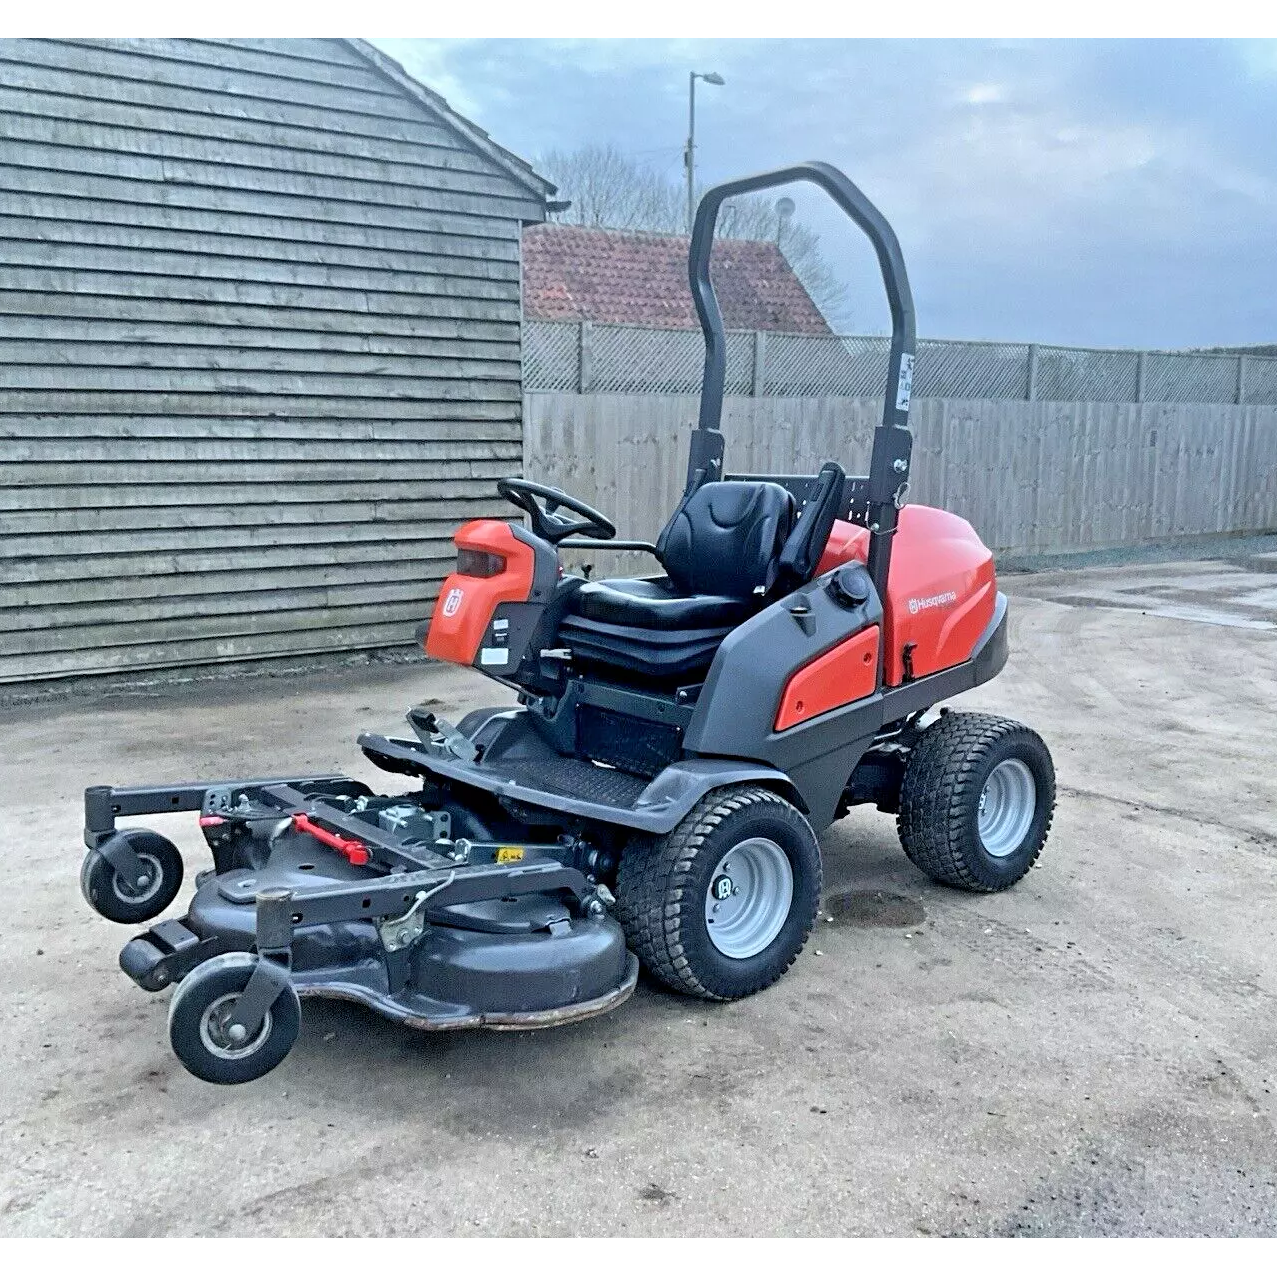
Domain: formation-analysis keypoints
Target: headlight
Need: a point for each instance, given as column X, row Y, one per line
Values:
column 479, row 563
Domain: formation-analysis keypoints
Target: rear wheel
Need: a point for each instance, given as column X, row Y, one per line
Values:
column 977, row 801
column 722, row 906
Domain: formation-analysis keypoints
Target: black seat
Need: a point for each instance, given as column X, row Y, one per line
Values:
column 658, row 602
column 720, row 551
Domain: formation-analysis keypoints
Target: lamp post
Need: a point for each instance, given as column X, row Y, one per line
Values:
column 689, row 155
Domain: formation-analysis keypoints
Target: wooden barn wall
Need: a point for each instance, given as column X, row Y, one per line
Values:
column 259, row 352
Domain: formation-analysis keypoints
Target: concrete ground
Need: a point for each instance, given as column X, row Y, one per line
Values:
column 1089, row 1053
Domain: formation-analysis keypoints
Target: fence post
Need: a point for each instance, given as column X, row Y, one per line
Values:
column 1032, row 392
column 1141, row 375
column 1241, row 378
column 585, row 357
column 759, row 384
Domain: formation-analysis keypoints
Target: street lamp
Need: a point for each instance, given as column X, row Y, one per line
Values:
column 689, row 155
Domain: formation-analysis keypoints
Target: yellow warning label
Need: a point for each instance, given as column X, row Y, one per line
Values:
column 507, row 854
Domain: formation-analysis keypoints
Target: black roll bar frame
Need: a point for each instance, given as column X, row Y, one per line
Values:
column 887, row 484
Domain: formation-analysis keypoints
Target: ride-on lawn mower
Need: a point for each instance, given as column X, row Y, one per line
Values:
column 655, row 796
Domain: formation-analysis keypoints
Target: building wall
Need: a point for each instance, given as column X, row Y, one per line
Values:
column 1033, row 478
column 259, row 351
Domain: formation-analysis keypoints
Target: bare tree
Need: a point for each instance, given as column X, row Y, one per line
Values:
column 610, row 189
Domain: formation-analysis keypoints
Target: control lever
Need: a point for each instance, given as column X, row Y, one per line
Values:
column 430, row 728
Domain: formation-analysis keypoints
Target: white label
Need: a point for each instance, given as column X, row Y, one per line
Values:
column 494, row 655
column 452, row 604
column 936, row 600
column 498, row 626
column 904, row 387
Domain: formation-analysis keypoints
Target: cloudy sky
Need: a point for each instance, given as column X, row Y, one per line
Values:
column 1097, row 192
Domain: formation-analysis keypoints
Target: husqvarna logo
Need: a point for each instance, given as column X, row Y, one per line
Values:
column 936, row 600
column 452, row 604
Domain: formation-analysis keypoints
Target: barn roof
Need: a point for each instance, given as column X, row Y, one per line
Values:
column 624, row 277
column 519, row 169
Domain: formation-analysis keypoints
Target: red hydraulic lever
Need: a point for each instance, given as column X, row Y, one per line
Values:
column 351, row 848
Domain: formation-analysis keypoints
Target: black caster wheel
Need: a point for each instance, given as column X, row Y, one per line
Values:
column 199, row 1026
column 140, row 900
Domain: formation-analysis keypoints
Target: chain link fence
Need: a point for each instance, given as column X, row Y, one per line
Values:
column 620, row 359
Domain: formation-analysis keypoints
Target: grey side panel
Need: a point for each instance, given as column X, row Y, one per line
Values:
column 738, row 706
column 737, row 709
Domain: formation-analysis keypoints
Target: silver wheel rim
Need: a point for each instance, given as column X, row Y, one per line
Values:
column 748, row 898
column 1007, row 803
column 134, row 894
column 214, row 1030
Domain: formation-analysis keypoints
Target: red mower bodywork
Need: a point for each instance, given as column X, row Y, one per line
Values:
column 941, row 591
column 493, row 567
column 940, row 598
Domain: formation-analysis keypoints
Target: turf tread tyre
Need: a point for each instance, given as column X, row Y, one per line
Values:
column 940, row 794
column 659, row 895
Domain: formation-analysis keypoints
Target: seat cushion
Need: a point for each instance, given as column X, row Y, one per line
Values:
column 656, row 604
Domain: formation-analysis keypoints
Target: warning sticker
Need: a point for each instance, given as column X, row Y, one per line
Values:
column 904, row 387
column 507, row 855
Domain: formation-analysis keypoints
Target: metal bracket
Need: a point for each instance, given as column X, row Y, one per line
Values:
column 399, row 933
column 269, row 979
column 118, row 852
column 274, row 923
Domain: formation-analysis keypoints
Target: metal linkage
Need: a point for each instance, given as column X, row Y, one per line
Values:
column 373, row 839
column 279, row 913
column 104, row 803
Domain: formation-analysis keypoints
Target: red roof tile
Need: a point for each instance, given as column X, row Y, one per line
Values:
column 624, row 277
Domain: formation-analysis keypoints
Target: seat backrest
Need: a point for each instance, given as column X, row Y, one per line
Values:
column 725, row 538
column 801, row 553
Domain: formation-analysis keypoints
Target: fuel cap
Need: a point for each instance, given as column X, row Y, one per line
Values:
column 849, row 586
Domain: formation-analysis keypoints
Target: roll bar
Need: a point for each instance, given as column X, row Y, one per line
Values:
column 887, row 484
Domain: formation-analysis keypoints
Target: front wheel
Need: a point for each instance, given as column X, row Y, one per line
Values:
column 139, row 899
column 976, row 801
column 200, row 1028
column 722, row 906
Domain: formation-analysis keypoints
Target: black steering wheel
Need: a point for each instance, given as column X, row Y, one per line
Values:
column 547, row 523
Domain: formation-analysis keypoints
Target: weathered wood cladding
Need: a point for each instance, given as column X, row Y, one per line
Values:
column 259, row 350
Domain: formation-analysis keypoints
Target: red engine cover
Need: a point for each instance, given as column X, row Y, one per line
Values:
column 941, row 590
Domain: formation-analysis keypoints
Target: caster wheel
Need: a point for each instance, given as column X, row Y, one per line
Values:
column 200, row 1032
column 107, row 892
